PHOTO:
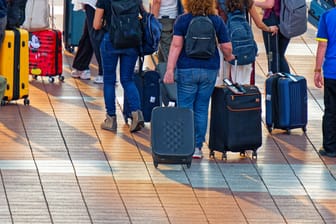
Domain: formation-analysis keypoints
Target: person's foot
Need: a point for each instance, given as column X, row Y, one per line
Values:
column 325, row 153
column 99, row 79
column 110, row 123
column 198, row 154
column 137, row 121
column 85, row 74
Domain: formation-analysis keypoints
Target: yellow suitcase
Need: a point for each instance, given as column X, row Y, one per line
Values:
column 14, row 65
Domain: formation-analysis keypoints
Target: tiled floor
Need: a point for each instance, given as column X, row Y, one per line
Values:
column 58, row 166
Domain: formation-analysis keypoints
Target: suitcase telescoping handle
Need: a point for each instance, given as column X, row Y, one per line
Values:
column 270, row 53
column 235, row 88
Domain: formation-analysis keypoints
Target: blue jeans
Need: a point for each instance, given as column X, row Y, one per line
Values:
column 127, row 59
column 194, row 89
column 329, row 116
column 3, row 22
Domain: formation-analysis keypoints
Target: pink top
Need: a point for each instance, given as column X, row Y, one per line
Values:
column 276, row 9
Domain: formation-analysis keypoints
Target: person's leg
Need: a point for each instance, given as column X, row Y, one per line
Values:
column 283, row 44
column 329, row 117
column 127, row 62
column 84, row 54
column 90, row 12
column 206, row 84
column 3, row 23
column 166, row 38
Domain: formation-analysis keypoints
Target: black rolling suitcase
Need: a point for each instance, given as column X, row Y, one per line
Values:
column 235, row 122
column 172, row 135
column 148, row 85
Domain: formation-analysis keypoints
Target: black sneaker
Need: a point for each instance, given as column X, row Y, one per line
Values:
column 328, row 154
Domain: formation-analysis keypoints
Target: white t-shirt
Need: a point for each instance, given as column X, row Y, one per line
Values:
column 78, row 4
column 168, row 8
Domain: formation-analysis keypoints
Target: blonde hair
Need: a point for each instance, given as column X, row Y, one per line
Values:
column 200, row 7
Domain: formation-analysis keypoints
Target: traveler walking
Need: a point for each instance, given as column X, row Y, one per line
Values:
column 276, row 58
column 3, row 19
column 326, row 56
column 196, row 75
column 166, row 11
column 126, row 51
column 88, row 44
column 241, row 74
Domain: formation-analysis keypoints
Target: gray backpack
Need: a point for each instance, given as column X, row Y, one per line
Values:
column 293, row 18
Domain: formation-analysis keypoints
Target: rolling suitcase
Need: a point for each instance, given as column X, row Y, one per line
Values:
column 286, row 102
column 14, row 65
column 235, row 121
column 147, row 83
column 45, row 54
column 73, row 25
column 317, row 8
column 172, row 135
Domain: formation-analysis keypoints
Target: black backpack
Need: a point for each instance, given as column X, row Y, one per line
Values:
column 125, row 30
column 200, row 40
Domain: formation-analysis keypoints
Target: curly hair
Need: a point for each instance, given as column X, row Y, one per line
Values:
column 233, row 5
column 200, row 7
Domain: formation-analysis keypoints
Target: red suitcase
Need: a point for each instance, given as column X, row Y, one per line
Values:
column 45, row 54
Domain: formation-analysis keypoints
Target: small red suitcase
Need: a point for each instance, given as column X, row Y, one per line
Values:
column 45, row 54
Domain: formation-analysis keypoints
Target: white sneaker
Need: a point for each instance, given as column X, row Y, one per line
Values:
column 198, row 154
column 75, row 73
column 85, row 75
column 99, row 79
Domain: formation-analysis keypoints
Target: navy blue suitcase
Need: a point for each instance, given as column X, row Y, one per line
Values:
column 172, row 135
column 148, row 85
column 235, row 121
column 317, row 8
column 286, row 102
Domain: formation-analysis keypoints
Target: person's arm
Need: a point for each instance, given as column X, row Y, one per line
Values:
column 226, row 48
column 174, row 52
column 320, row 53
column 267, row 4
column 259, row 23
column 155, row 7
column 98, row 19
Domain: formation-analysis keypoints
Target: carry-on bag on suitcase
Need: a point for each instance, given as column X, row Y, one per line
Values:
column 36, row 15
column 317, row 8
column 172, row 135
column 147, row 83
column 14, row 65
column 73, row 25
column 235, row 120
column 45, row 54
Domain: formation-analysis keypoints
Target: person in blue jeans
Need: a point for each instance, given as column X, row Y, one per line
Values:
column 3, row 19
column 196, row 77
column 326, row 56
column 127, row 58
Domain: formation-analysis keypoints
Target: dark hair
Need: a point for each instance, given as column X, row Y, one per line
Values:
column 200, row 7
column 233, row 5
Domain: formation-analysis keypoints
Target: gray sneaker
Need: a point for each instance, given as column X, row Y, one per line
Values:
column 198, row 154
column 99, row 79
column 137, row 121
column 110, row 123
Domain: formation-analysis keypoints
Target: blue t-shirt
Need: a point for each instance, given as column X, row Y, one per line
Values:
column 180, row 29
column 327, row 32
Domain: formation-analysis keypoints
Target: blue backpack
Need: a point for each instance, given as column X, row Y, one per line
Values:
column 244, row 46
column 151, row 28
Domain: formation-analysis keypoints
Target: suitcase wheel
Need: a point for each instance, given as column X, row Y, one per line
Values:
column 188, row 165
column 51, row 79
column 254, row 155
column 288, row 131
column 61, row 78
column 242, row 154
column 26, row 101
column 156, row 164
column 269, row 129
column 304, row 129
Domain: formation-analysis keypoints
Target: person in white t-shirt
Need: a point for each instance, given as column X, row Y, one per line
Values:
column 166, row 11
